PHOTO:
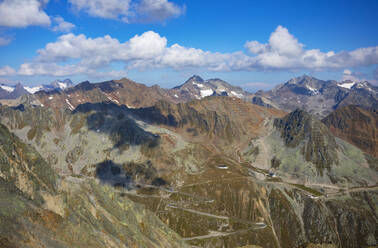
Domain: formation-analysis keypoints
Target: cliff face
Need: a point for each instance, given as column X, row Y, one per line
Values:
column 319, row 146
column 355, row 125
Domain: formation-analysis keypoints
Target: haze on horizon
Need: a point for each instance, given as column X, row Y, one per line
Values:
column 249, row 44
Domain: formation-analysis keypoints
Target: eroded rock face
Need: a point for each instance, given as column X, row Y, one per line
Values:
column 319, row 145
column 355, row 125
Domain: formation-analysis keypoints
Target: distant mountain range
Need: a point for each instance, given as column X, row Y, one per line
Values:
column 315, row 96
column 320, row 97
column 15, row 91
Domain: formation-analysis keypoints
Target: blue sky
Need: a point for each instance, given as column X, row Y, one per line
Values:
column 253, row 44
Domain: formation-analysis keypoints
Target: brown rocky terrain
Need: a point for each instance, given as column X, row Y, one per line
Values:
column 41, row 209
column 356, row 125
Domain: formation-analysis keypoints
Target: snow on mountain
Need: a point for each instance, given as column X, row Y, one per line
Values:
column 15, row 91
column 205, row 93
column 314, row 91
column 58, row 84
column 347, row 85
column 32, row 90
column 238, row 95
column 198, row 84
column 7, row 88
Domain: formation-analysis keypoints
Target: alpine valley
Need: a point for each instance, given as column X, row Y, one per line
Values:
column 204, row 164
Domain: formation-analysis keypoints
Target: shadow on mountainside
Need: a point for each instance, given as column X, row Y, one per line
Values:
column 153, row 115
column 114, row 120
column 128, row 175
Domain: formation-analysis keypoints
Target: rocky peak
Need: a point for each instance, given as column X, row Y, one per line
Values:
column 302, row 80
column 195, row 78
column 366, row 86
column 66, row 83
column 318, row 145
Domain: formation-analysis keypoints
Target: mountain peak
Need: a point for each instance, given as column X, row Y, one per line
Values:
column 66, row 83
column 302, row 80
column 195, row 78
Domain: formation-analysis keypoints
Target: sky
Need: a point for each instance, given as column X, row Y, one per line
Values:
column 252, row 44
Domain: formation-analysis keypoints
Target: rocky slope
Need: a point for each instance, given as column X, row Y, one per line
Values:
column 355, row 125
column 302, row 148
column 41, row 209
column 320, row 97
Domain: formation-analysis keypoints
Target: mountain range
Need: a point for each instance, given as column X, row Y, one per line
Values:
column 320, row 97
column 15, row 91
column 204, row 164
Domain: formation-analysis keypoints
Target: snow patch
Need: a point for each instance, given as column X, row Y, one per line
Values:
column 176, row 95
column 50, row 97
column 7, row 88
column 236, row 94
column 347, row 85
column 205, row 93
column 199, row 85
column 112, row 99
column 62, row 85
column 70, row 105
column 314, row 91
column 364, row 85
column 32, row 90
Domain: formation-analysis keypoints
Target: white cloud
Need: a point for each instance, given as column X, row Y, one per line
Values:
column 23, row 13
column 77, row 54
column 129, row 10
column 111, row 9
column 6, row 71
column 4, row 41
column 354, row 76
column 281, row 44
column 285, row 52
column 61, row 25
column 158, row 10
column 347, row 72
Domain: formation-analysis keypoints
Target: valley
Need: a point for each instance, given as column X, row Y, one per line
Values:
column 217, row 172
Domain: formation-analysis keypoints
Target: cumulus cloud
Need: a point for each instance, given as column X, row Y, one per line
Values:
column 61, row 25
column 129, row 10
column 355, row 76
column 347, row 72
column 158, row 10
column 7, row 70
column 111, row 9
column 23, row 13
column 4, row 41
column 78, row 54
column 283, row 51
